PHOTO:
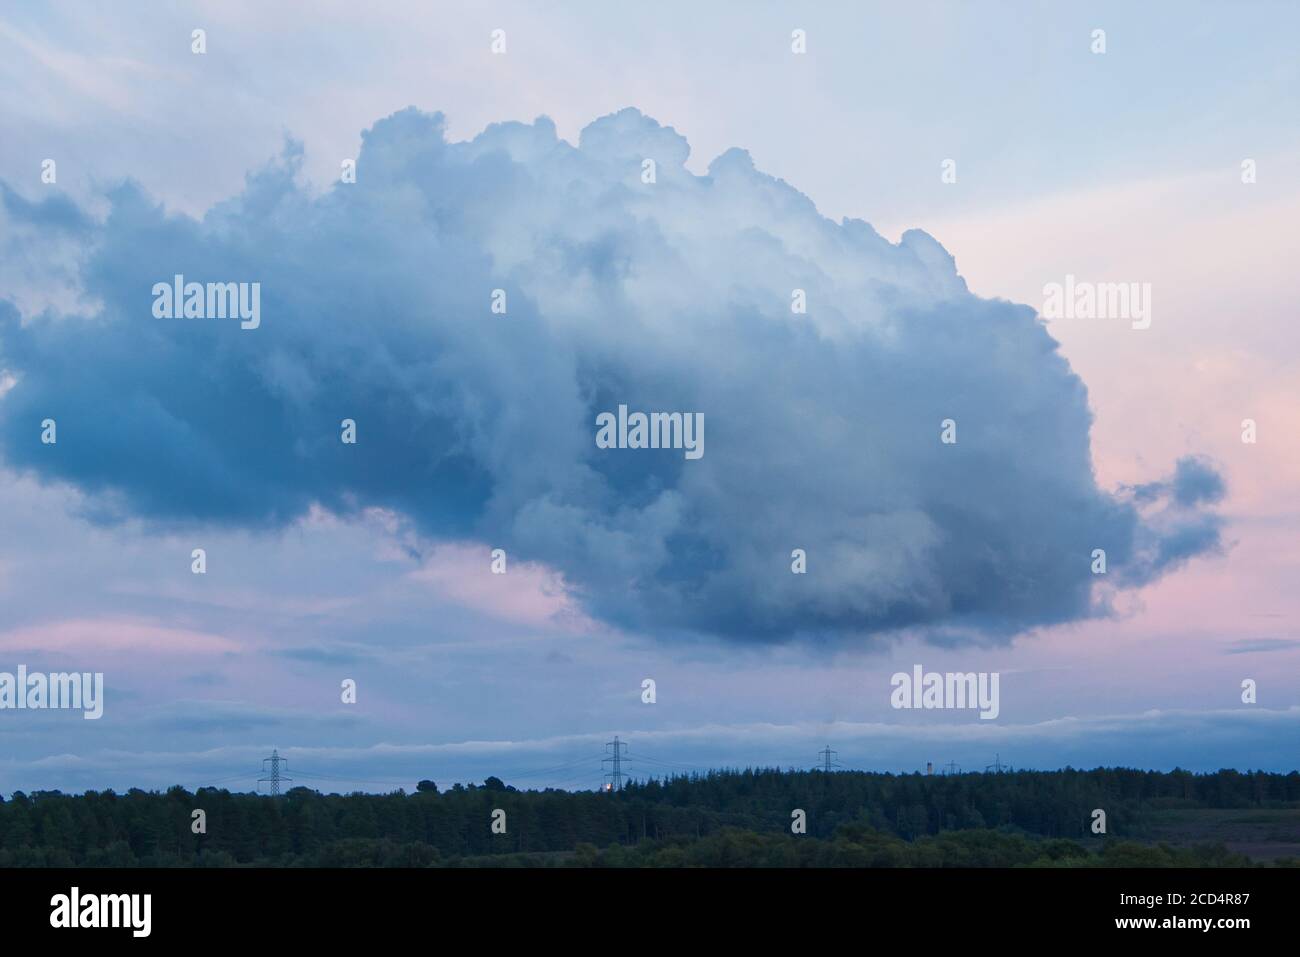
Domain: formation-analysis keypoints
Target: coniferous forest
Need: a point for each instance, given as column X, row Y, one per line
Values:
column 719, row 819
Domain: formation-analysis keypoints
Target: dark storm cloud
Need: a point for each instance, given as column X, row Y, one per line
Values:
column 822, row 429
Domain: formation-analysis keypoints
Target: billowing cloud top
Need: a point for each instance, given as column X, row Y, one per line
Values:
column 822, row 429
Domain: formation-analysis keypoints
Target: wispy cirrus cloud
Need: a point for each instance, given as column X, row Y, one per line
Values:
column 1194, row 740
column 1250, row 646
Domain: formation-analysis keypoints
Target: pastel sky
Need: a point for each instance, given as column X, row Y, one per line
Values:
column 1119, row 167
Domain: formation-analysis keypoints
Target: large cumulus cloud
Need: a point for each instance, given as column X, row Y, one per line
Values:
column 822, row 430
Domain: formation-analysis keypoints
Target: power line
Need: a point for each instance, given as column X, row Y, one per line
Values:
column 586, row 759
column 616, row 773
column 667, row 764
column 826, row 754
column 562, row 775
column 349, row 779
column 274, row 778
column 582, row 779
column 229, row 777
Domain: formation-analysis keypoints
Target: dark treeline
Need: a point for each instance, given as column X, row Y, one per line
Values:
column 722, row 818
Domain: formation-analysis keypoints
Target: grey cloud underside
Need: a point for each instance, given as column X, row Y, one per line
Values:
column 821, row 430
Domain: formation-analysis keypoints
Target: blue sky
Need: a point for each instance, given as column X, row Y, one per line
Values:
column 821, row 432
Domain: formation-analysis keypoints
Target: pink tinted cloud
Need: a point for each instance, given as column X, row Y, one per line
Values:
column 114, row 636
column 528, row 593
